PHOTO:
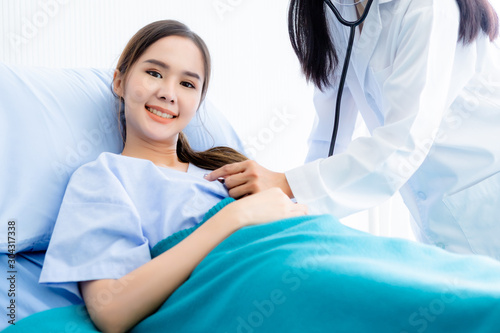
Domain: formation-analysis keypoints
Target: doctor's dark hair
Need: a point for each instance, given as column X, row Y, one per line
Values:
column 313, row 45
column 210, row 159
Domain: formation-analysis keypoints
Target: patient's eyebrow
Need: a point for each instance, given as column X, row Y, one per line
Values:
column 165, row 66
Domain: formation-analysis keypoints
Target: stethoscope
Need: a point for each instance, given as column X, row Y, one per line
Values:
column 352, row 25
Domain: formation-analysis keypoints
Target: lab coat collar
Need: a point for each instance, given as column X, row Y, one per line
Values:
column 365, row 44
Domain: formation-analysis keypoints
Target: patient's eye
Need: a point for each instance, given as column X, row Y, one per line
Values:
column 154, row 74
column 187, row 84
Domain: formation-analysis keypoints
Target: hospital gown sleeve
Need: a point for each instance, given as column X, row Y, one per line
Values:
column 373, row 168
column 98, row 232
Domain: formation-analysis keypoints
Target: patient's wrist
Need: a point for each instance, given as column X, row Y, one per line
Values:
column 230, row 218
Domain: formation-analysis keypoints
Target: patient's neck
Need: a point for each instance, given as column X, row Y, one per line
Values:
column 161, row 154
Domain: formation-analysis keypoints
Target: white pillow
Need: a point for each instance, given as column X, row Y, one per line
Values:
column 51, row 122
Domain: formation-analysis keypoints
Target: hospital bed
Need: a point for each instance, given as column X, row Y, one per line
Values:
column 54, row 120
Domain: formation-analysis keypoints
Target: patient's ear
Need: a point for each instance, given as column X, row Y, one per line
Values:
column 118, row 83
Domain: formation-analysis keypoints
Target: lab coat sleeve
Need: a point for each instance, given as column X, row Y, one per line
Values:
column 321, row 134
column 373, row 168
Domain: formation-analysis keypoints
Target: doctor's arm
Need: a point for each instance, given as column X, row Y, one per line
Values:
column 139, row 293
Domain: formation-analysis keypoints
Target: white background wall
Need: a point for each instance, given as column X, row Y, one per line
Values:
column 256, row 76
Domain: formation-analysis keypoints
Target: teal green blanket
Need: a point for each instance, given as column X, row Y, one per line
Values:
column 313, row 274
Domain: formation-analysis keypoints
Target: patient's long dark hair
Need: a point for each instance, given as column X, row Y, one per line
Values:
column 313, row 45
column 210, row 159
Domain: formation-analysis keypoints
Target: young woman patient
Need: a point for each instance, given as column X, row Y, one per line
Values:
column 118, row 207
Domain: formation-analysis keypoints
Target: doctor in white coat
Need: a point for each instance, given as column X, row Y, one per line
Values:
column 425, row 77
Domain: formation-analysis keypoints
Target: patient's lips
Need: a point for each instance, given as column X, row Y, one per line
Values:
column 160, row 115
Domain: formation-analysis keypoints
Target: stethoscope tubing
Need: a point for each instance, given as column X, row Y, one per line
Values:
column 344, row 21
column 352, row 25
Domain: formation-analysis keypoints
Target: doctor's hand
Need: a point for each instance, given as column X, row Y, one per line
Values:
column 248, row 177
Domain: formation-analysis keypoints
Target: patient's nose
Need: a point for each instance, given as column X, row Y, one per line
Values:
column 167, row 92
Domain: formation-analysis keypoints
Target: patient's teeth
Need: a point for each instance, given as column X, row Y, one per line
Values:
column 159, row 113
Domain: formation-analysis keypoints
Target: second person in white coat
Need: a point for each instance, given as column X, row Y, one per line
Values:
column 425, row 77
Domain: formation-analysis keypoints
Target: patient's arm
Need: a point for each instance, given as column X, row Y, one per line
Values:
column 139, row 293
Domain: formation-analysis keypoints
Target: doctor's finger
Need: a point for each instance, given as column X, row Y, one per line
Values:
column 240, row 191
column 226, row 170
column 235, row 180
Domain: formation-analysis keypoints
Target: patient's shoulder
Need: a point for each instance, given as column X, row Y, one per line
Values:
column 101, row 172
column 97, row 180
column 106, row 162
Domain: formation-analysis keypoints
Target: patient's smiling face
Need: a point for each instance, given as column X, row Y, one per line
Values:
column 162, row 90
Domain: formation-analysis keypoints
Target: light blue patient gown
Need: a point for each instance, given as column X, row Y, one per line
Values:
column 116, row 209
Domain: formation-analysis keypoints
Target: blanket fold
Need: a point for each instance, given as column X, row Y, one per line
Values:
column 313, row 274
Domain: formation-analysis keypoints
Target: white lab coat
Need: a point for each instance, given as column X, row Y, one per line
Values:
column 432, row 107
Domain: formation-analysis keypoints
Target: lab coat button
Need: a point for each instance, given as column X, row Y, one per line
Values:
column 422, row 195
column 440, row 245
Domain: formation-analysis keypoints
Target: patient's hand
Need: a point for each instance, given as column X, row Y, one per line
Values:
column 249, row 177
column 263, row 207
